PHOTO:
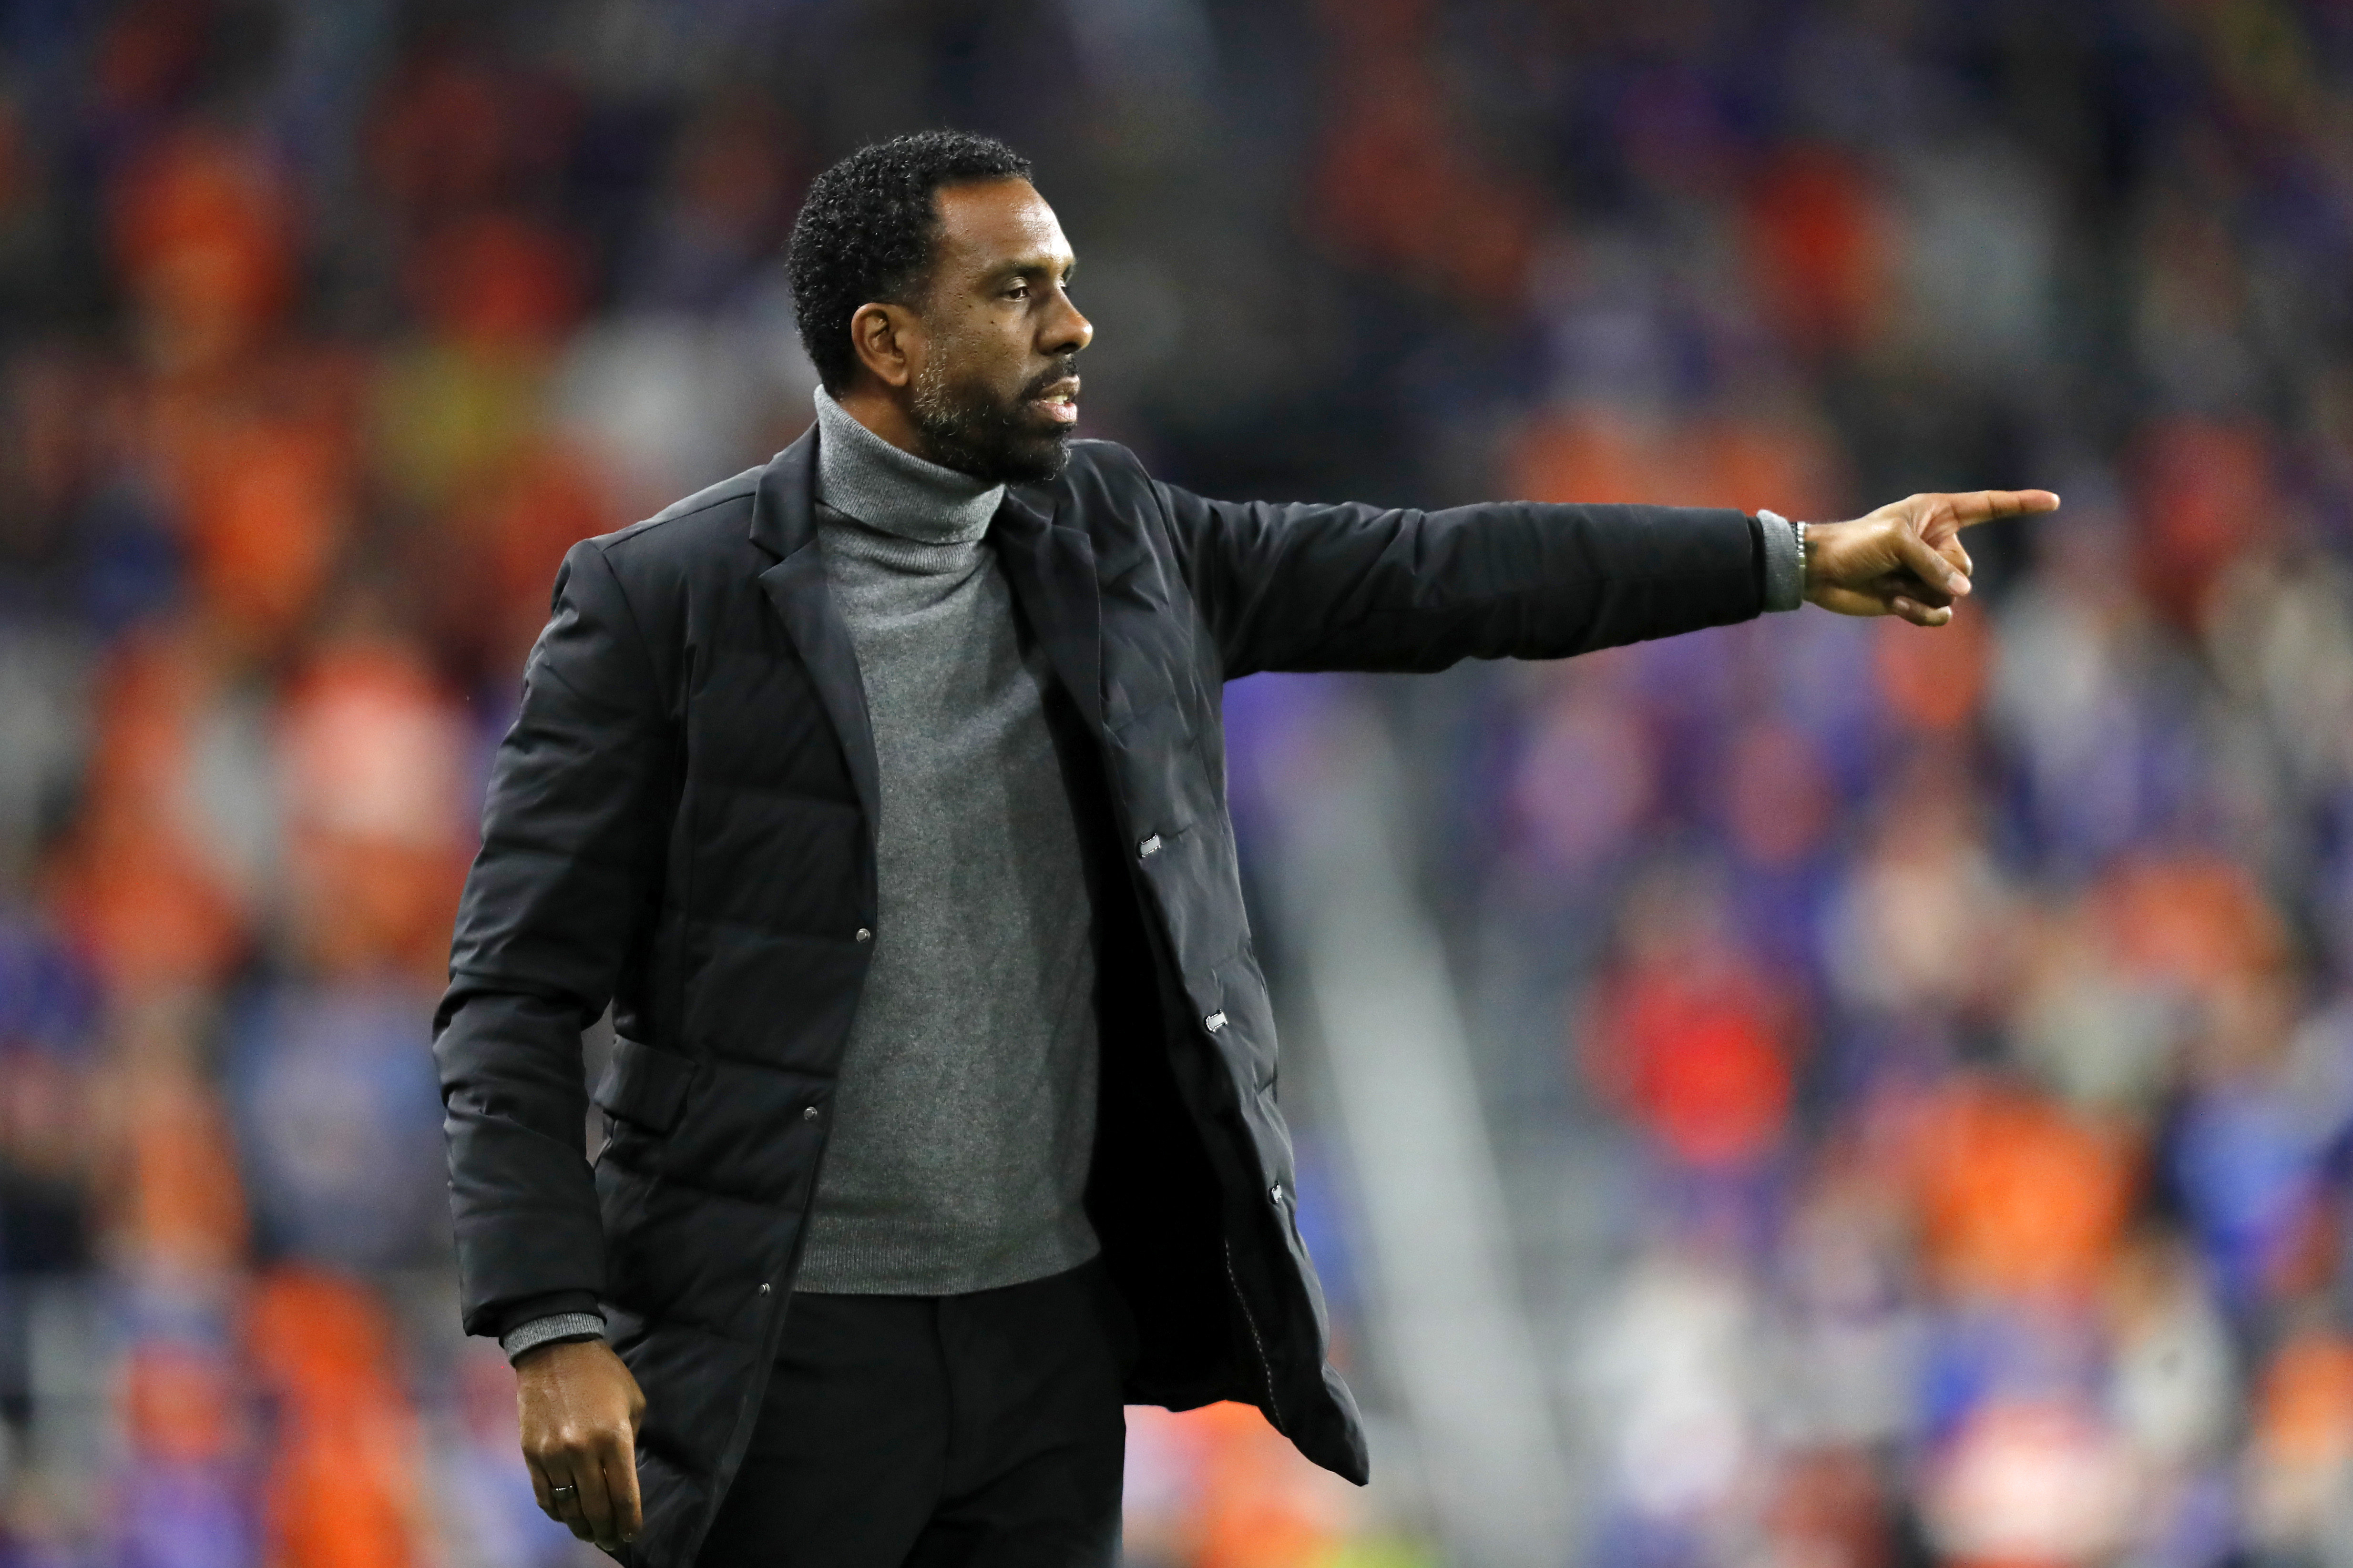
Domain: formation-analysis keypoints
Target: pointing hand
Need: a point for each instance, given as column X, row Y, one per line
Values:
column 1905, row 559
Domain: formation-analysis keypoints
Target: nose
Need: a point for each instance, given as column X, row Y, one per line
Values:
column 1064, row 331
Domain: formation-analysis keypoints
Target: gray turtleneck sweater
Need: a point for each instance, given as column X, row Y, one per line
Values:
column 964, row 1117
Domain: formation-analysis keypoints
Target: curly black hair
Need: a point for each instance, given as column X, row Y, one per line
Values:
column 867, row 229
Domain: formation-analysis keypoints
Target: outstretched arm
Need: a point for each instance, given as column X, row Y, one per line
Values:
column 1362, row 587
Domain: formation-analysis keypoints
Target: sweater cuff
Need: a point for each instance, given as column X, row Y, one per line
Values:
column 555, row 1327
column 1785, row 568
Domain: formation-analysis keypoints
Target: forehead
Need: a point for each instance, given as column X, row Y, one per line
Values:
column 1000, row 224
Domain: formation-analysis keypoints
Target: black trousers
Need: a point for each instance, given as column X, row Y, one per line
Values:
column 979, row 1431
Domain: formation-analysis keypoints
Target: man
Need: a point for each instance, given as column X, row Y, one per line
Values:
column 880, row 791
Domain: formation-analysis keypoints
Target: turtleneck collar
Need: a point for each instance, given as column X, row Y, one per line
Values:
column 864, row 476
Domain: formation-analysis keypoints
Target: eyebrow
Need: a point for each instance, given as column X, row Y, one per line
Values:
column 1030, row 266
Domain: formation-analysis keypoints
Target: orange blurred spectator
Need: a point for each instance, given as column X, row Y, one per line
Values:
column 1781, row 459
column 1262, row 1506
column 2300, row 1462
column 1689, row 1039
column 550, row 503
column 267, row 509
column 1699, row 1062
column 1818, row 242
column 372, row 756
column 151, row 881
column 180, row 1493
column 2200, row 928
column 2197, row 920
column 2203, row 494
column 203, row 234
column 1593, row 452
column 494, row 556
column 170, row 1197
column 1218, row 1487
column 499, row 283
column 455, row 136
column 1934, row 683
column 1396, row 181
column 2019, row 1199
column 340, row 1484
column 181, row 1402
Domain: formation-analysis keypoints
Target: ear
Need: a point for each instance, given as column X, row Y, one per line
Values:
column 886, row 338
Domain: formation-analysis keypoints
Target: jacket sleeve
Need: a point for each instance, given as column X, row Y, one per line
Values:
column 571, row 838
column 1303, row 587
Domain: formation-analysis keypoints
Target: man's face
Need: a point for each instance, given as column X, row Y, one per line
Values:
column 995, row 390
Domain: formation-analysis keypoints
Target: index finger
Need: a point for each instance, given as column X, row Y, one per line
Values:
column 1969, row 507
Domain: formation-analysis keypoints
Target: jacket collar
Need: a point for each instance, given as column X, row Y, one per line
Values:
column 784, row 516
column 785, row 525
column 1051, row 569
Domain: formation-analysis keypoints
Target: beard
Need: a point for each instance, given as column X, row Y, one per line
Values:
column 998, row 440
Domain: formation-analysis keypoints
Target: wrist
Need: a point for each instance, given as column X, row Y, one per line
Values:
column 555, row 1328
column 1781, row 565
column 1824, row 541
column 547, row 1352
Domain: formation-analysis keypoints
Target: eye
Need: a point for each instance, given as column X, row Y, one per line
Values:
column 1017, row 291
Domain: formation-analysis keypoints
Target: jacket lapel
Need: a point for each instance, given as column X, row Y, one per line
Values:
column 783, row 524
column 1052, row 571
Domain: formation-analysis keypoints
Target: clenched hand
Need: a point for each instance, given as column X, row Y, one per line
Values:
column 1906, row 559
column 580, row 1409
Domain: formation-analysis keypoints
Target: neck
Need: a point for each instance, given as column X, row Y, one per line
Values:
column 881, row 415
column 888, row 487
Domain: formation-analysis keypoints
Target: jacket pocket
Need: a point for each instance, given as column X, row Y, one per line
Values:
column 643, row 1086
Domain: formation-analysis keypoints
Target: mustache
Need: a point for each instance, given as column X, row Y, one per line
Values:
column 1065, row 368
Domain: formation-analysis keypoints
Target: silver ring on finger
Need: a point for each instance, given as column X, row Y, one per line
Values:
column 565, row 1493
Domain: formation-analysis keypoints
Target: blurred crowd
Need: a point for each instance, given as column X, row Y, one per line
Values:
column 1962, row 1017
column 1968, row 1013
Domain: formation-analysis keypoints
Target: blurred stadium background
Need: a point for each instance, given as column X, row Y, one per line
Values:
column 1811, row 1095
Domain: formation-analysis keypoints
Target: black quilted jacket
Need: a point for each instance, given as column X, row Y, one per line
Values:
column 680, row 823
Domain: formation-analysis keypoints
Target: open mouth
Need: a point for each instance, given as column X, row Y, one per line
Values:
column 1059, row 401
